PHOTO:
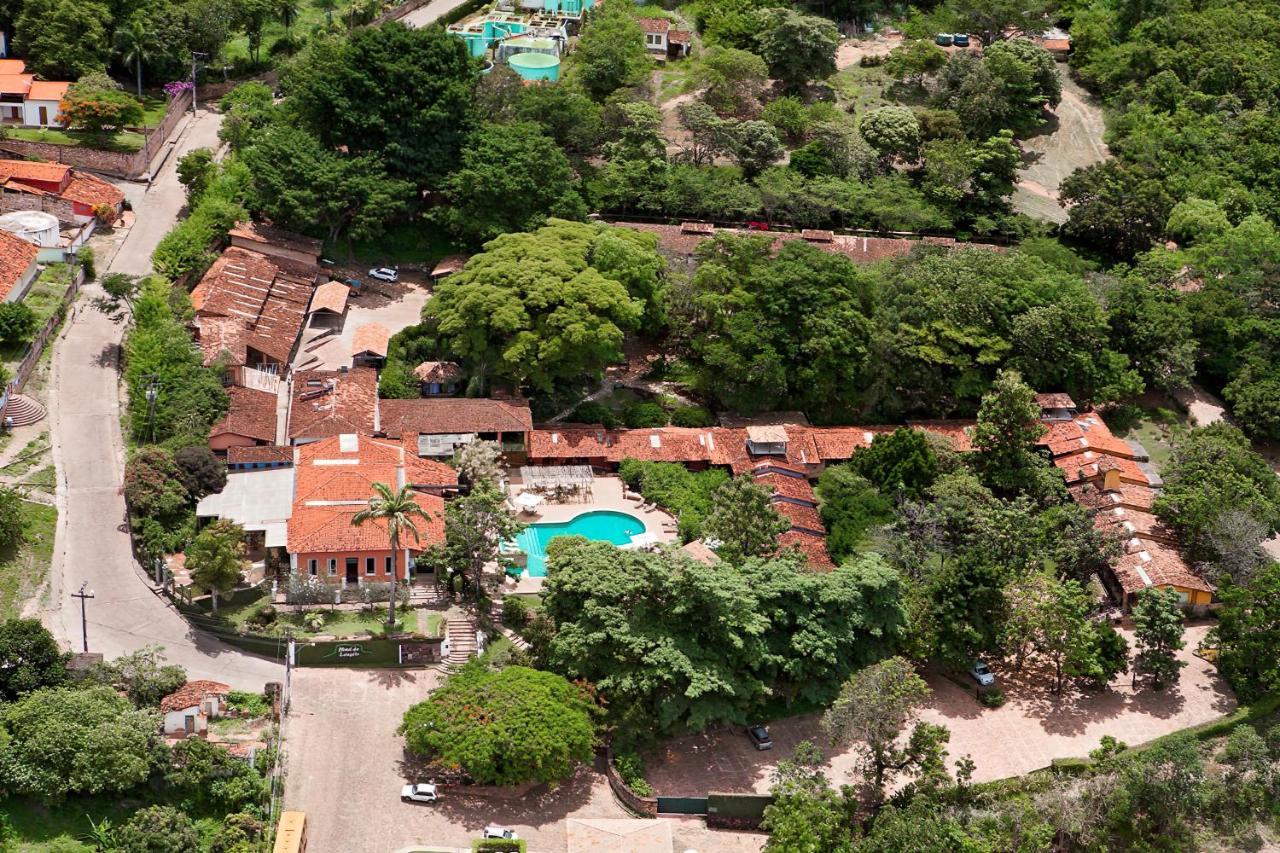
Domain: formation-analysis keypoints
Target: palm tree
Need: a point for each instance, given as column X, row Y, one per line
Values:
column 328, row 6
column 287, row 10
column 134, row 43
column 397, row 509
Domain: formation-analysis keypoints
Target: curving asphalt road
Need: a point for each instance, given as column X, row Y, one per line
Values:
column 93, row 546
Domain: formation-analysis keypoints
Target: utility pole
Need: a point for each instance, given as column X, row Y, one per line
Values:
column 194, row 56
column 84, row 622
column 152, row 392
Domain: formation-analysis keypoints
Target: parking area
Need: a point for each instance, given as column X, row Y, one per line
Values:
column 345, row 766
column 1031, row 729
column 393, row 306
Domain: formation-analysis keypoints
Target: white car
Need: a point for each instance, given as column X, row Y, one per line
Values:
column 391, row 274
column 500, row 832
column 423, row 793
column 981, row 674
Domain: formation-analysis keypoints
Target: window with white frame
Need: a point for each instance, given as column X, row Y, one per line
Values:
column 333, row 567
column 653, row 39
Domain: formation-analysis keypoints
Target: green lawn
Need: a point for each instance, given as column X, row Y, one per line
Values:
column 153, row 109
column 339, row 623
column 309, row 17
column 64, row 828
column 860, row 89
column 46, row 478
column 1159, row 428
column 123, row 141
column 23, row 569
column 28, row 457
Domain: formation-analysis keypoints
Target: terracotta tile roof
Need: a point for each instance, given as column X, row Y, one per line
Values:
column 836, row 443
column 258, row 232
column 266, row 453
column 449, row 264
column 191, row 694
column 246, row 301
column 654, row 25
column 813, row 547
column 1157, row 566
column 331, row 402
column 16, row 258
column 700, row 551
column 12, row 66
column 679, row 36
column 803, row 518
column 795, row 488
column 427, row 472
column 438, row 371
column 371, row 338
column 330, row 296
column 92, row 190
column 16, row 84
column 454, row 415
column 252, row 413
column 33, row 170
column 333, row 481
column 1055, row 400
column 570, row 443
column 959, row 431
column 1087, row 465
column 47, row 90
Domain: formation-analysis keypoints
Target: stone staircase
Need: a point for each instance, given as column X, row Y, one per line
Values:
column 462, row 643
column 23, row 410
column 427, row 595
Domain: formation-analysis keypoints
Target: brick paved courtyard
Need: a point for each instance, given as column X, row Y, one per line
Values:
column 1027, row 732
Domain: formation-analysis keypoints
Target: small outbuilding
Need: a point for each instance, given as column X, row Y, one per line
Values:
column 328, row 304
column 438, row 378
column 188, row 710
column 369, row 345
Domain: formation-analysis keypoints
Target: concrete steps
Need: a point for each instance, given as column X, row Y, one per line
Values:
column 462, row 641
column 23, row 410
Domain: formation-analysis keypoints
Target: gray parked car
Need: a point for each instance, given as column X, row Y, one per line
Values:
column 981, row 674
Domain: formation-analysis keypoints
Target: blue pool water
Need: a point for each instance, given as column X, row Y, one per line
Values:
column 600, row 526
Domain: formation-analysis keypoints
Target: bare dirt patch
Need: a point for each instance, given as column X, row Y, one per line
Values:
column 1073, row 139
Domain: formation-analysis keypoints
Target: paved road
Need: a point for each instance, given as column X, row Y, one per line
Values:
column 426, row 15
column 93, row 542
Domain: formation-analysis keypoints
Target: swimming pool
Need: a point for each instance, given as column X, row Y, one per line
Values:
column 599, row 526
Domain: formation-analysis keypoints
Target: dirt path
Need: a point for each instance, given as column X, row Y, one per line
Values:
column 851, row 51
column 1072, row 140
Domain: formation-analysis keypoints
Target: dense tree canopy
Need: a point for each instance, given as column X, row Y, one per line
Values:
column 669, row 641
column 65, row 741
column 506, row 727
column 541, row 308
column 390, row 91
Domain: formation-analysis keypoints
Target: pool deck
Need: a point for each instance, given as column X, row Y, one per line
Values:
column 606, row 494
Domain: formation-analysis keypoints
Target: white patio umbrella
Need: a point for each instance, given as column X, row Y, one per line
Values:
column 527, row 502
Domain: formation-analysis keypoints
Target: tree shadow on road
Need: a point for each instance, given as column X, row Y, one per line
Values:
column 542, row 806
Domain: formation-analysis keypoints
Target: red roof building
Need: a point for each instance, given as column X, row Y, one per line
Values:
column 249, row 309
column 334, row 479
column 332, row 402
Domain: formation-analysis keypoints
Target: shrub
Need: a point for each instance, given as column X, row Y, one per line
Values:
column 158, row 829
column 639, row 415
column 86, row 258
column 692, row 416
column 313, row 621
column 499, row 845
column 249, row 704
column 18, row 323
column 515, row 612
column 993, row 698
column 592, row 412
column 630, row 767
column 264, row 615
column 685, row 494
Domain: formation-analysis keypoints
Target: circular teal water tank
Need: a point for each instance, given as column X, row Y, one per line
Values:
column 535, row 66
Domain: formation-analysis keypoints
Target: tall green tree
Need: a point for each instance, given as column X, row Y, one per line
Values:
column 1248, row 632
column 475, row 525
column 874, row 709
column 391, row 92
column 610, row 52
column 535, row 310
column 743, row 520
column 134, row 44
column 63, row 39
column 1006, row 432
column 798, row 48
column 64, row 741
column 512, row 178
column 215, row 559
column 30, row 659
column 1157, row 631
column 396, row 510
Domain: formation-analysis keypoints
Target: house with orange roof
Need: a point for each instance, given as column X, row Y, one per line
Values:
column 26, row 101
column 188, row 709
column 18, row 266
column 70, row 194
column 333, row 480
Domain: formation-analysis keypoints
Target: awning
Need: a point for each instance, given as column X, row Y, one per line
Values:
column 528, row 502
